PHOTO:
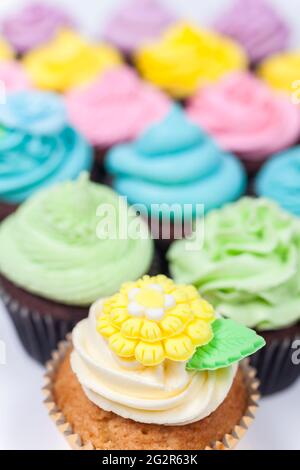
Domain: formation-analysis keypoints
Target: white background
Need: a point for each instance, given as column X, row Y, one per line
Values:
column 24, row 423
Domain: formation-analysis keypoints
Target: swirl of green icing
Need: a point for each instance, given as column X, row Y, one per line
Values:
column 52, row 246
column 249, row 264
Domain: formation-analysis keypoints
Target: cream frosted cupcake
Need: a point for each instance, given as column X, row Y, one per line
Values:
column 33, row 25
column 248, row 267
column 257, row 26
column 13, row 76
column 152, row 368
column 115, row 108
column 187, row 57
column 68, row 60
column 38, row 147
column 56, row 259
column 136, row 22
column 282, row 71
column 246, row 117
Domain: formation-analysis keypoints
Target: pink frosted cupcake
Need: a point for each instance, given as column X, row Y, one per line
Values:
column 13, row 77
column 136, row 22
column 246, row 118
column 34, row 25
column 115, row 108
column 257, row 26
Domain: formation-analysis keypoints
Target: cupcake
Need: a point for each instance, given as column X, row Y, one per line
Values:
column 95, row 109
column 67, row 61
column 136, row 22
column 281, row 71
column 33, row 25
column 56, row 259
column 279, row 179
column 171, row 171
column 37, row 147
column 152, row 368
column 13, row 77
column 186, row 58
column 246, row 118
column 248, row 267
column 257, row 26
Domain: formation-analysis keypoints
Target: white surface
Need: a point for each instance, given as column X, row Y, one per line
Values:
column 24, row 423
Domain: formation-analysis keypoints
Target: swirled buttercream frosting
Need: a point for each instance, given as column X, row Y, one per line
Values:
column 68, row 60
column 6, row 52
column 279, row 179
column 54, row 246
column 164, row 394
column 37, row 146
column 13, row 76
column 282, row 71
column 246, row 117
column 95, row 109
column 257, row 26
column 249, row 264
column 33, row 25
column 136, row 22
column 186, row 58
column 174, row 162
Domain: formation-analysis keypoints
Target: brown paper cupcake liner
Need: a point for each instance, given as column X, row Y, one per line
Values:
column 229, row 441
column 274, row 365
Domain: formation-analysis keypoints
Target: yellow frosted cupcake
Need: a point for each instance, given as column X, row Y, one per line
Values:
column 187, row 57
column 6, row 52
column 281, row 70
column 68, row 61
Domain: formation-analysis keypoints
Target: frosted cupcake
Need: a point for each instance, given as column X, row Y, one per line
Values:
column 153, row 369
column 38, row 148
column 282, row 71
column 171, row 169
column 96, row 109
column 279, row 179
column 136, row 22
column 13, row 77
column 56, row 259
column 246, row 118
column 248, row 267
column 257, row 26
column 186, row 58
column 33, row 25
column 68, row 60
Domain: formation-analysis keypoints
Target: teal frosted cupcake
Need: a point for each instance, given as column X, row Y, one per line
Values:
column 38, row 148
column 248, row 267
column 279, row 179
column 56, row 258
column 173, row 171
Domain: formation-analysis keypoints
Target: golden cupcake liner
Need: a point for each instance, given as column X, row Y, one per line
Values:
column 229, row 441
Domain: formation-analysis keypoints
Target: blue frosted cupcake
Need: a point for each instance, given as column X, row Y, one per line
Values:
column 279, row 179
column 37, row 147
column 174, row 171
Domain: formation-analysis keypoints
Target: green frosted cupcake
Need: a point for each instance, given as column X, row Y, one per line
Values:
column 248, row 267
column 59, row 253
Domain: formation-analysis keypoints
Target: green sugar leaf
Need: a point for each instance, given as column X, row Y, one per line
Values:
column 232, row 342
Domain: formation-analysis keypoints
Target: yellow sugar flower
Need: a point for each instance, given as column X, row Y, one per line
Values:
column 68, row 61
column 187, row 57
column 154, row 319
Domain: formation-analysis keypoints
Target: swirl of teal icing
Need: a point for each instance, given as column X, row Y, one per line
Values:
column 51, row 245
column 37, row 146
column 174, row 162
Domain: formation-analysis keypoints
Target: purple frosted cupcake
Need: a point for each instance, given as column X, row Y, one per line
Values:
column 257, row 26
column 136, row 22
column 34, row 25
